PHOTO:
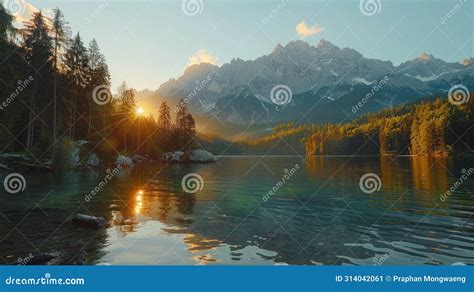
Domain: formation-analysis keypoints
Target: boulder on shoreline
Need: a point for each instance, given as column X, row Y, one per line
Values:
column 176, row 156
column 123, row 160
column 139, row 158
column 195, row 156
column 88, row 221
column 74, row 160
column 200, row 155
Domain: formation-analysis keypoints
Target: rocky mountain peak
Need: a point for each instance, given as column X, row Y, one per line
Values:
column 278, row 49
column 326, row 45
column 199, row 68
column 298, row 45
column 425, row 57
column 467, row 61
column 239, row 86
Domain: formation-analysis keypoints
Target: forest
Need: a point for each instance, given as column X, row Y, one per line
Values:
column 429, row 128
column 55, row 90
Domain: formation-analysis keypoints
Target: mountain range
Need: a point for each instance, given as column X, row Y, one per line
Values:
column 324, row 83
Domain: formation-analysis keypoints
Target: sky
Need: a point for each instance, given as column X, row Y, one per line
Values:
column 149, row 42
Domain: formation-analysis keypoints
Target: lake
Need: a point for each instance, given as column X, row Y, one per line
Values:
column 251, row 211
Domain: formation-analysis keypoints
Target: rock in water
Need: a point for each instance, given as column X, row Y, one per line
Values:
column 124, row 160
column 94, row 160
column 201, row 156
column 139, row 158
column 89, row 221
column 176, row 156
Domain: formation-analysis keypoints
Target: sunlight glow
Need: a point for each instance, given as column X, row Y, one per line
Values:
column 139, row 195
column 140, row 111
column 139, row 205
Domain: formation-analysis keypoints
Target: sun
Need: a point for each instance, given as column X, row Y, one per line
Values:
column 140, row 111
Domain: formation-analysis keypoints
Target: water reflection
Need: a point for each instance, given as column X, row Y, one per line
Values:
column 323, row 232
column 319, row 216
column 430, row 173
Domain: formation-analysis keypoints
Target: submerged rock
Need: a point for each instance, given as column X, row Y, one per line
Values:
column 89, row 221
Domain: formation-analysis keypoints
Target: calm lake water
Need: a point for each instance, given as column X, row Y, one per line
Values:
column 319, row 215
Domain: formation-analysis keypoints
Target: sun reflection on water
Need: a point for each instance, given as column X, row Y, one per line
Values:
column 139, row 200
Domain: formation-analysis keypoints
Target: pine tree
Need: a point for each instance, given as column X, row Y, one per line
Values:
column 60, row 32
column 99, row 76
column 185, row 127
column 6, row 25
column 180, row 124
column 190, row 132
column 38, row 52
column 164, row 127
column 164, row 120
column 77, row 66
column 126, row 107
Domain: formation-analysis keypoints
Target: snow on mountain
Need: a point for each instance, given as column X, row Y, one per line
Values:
column 239, row 91
column 361, row 80
column 426, row 67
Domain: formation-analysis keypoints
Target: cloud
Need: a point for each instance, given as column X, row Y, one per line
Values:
column 22, row 10
column 202, row 56
column 305, row 31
